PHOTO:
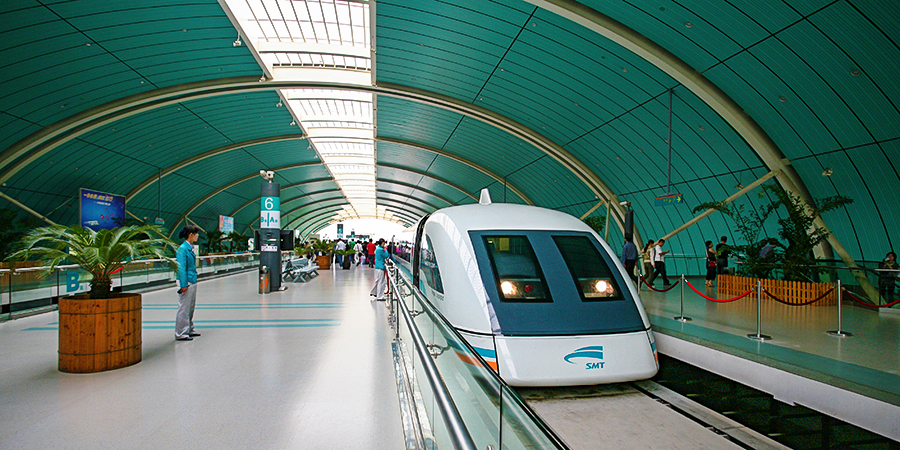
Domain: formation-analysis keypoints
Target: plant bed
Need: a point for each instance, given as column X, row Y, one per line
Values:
column 792, row 292
column 96, row 335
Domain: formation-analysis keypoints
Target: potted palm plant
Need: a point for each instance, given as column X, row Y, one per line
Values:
column 100, row 330
column 323, row 251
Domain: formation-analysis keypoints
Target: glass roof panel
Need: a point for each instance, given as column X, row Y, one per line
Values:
column 295, row 35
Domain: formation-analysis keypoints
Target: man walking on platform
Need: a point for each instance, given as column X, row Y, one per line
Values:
column 659, row 263
column 629, row 257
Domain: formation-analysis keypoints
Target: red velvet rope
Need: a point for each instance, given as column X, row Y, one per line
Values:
column 798, row 304
column 658, row 290
column 715, row 299
column 888, row 305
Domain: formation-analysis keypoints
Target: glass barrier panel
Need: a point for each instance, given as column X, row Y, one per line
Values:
column 519, row 429
column 473, row 389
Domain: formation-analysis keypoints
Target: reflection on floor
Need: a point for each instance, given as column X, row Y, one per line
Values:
column 307, row 368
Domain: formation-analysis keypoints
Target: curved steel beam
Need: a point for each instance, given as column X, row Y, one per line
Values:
column 236, row 182
column 403, row 214
column 168, row 170
column 315, row 227
column 295, row 209
column 401, row 205
column 32, row 147
column 459, row 159
column 252, row 201
column 312, row 219
column 702, row 87
column 426, row 175
column 385, row 191
column 418, row 188
column 318, row 208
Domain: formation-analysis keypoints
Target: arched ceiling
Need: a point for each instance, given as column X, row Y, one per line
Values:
column 523, row 98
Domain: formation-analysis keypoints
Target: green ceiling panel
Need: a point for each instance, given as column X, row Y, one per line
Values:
column 663, row 27
column 415, row 122
column 484, row 145
column 767, row 85
column 642, row 78
column 808, row 78
column 760, row 106
column 402, row 155
column 415, row 193
column 567, row 188
column 847, row 44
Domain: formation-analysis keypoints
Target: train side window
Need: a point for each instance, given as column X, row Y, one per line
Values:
column 428, row 266
column 516, row 269
column 589, row 270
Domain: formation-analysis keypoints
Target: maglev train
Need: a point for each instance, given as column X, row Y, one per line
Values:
column 536, row 292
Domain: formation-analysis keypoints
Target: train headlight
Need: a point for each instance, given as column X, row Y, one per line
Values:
column 598, row 288
column 522, row 289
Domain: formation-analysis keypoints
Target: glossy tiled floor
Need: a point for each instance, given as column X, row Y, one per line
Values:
column 307, row 368
column 867, row 363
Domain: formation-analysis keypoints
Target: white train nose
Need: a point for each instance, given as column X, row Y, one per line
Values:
column 575, row 360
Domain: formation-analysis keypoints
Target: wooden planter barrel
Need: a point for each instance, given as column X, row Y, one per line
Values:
column 793, row 292
column 323, row 261
column 99, row 334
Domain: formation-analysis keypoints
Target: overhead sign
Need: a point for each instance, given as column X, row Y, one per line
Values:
column 226, row 224
column 270, row 212
column 669, row 199
column 99, row 210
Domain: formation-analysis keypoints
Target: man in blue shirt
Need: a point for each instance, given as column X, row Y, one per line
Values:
column 629, row 257
column 380, row 271
column 186, row 277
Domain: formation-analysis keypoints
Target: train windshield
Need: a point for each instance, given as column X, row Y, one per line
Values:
column 517, row 269
column 553, row 282
column 595, row 282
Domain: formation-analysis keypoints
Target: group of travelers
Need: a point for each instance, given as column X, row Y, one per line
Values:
column 654, row 259
column 372, row 254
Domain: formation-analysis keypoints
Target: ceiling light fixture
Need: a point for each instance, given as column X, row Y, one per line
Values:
column 827, row 172
column 739, row 186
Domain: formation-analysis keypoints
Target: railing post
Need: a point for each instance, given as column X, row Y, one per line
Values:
column 681, row 317
column 840, row 296
column 759, row 336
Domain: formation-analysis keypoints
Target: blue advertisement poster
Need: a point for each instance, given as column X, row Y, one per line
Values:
column 226, row 224
column 99, row 210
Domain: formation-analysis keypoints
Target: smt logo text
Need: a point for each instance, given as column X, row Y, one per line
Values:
column 594, row 353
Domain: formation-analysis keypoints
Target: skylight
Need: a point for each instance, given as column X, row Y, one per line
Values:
column 323, row 40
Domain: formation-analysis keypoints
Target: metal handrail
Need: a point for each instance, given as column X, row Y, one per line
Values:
column 136, row 261
column 459, row 434
column 438, row 317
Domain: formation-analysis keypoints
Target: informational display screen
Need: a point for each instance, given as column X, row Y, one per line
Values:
column 226, row 224
column 99, row 210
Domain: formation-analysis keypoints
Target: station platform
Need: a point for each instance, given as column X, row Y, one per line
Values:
column 855, row 379
column 310, row 367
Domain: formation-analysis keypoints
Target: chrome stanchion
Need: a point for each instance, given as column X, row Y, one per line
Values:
column 839, row 332
column 759, row 336
column 681, row 317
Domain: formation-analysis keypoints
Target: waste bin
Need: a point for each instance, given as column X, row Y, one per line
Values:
column 265, row 285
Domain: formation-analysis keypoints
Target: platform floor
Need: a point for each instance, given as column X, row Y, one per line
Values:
column 867, row 364
column 307, row 368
